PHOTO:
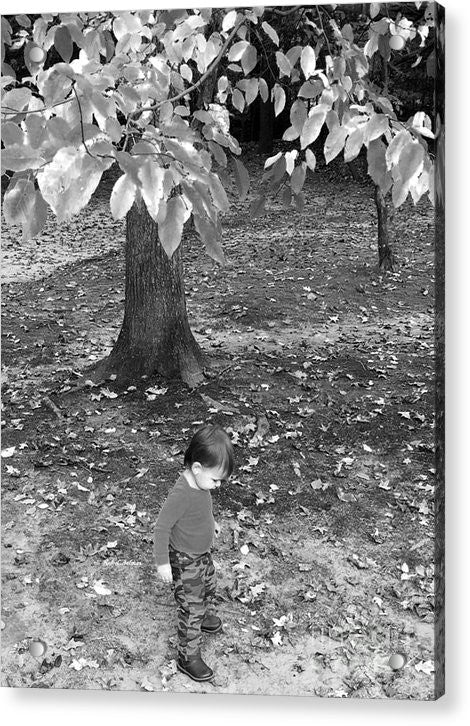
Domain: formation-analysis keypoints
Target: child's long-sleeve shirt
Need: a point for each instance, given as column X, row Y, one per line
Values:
column 185, row 522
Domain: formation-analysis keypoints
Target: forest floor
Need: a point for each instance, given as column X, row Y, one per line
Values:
column 322, row 370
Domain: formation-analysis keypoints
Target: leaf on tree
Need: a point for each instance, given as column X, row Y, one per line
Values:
column 263, row 90
column 69, row 180
column 12, row 134
column 298, row 115
column 237, row 50
column 377, row 167
column 249, row 59
column 16, row 100
column 395, row 147
column 242, row 178
column 171, row 229
column 210, row 235
column 35, row 130
column 218, row 153
column 290, row 157
column 272, row 159
column 400, row 191
column 308, row 61
column 218, row 193
column 311, row 159
column 122, row 196
column 286, row 197
column 411, row 160
column 332, row 119
column 63, row 43
column 311, row 89
column 279, row 96
column 377, row 125
column 20, row 157
column 250, row 87
column 313, row 125
column 39, row 211
column 270, row 32
column 114, row 129
column 347, row 32
column 279, row 169
column 335, row 143
column 18, row 202
column 419, row 186
column 293, row 54
column 257, row 207
column 229, row 20
column 126, row 24
column 353, row 144
column 374, row 10
column 298, row 178
column 151, row 176
column 299, row 201
column 283, row 64
column 238, row 99
column 290, row 134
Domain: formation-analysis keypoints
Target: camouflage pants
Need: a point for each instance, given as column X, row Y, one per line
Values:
column 194, row 582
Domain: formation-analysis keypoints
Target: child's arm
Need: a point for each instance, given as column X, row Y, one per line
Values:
column 172, row 509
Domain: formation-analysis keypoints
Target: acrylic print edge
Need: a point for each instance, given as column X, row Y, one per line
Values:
column 439, row 261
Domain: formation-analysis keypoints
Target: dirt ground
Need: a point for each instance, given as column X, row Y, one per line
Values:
column 321, row 369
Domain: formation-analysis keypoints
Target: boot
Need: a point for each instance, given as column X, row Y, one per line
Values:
column 211, row 624
column 195, row 668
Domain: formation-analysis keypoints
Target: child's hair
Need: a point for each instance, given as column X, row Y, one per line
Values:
column 211, row 446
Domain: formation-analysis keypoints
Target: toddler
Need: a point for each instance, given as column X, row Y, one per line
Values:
column 182, row 541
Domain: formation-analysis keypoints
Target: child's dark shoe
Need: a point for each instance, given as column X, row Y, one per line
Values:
column 211, row 624
column 195, row 668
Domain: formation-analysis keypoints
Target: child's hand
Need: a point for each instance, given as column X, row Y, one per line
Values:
column 165, row 573
column 217, row 529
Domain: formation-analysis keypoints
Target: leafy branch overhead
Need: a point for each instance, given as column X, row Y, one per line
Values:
column 85, row 90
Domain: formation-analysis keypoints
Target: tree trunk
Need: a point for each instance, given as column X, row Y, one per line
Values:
column 266, row 126
column 155, row 336
column 385, row 252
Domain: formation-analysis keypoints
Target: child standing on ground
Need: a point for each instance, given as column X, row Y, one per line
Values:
column 182, row 541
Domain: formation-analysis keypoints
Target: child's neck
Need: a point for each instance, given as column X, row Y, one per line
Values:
column 189, row 476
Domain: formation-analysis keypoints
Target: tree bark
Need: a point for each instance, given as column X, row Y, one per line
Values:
column 385, row 252
column 155, row 336
column 266, row 126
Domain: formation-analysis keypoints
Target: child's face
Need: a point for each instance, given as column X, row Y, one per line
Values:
column 208, row 478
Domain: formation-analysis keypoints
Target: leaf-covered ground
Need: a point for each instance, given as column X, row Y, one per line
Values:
column 321, row 368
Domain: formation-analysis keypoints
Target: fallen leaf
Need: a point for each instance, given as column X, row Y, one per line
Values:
column 426, row 666
column 147, row 685
column 6, row 453
column 100, row 589
column 107, row 393
column 345, row 496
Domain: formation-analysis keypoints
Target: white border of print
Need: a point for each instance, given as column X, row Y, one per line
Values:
column 36, row 706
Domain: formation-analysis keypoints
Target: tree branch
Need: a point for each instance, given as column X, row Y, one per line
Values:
column 323, row 31
column 201, row 80
column 286, row 12
column 81, row 122
column 11, row 112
